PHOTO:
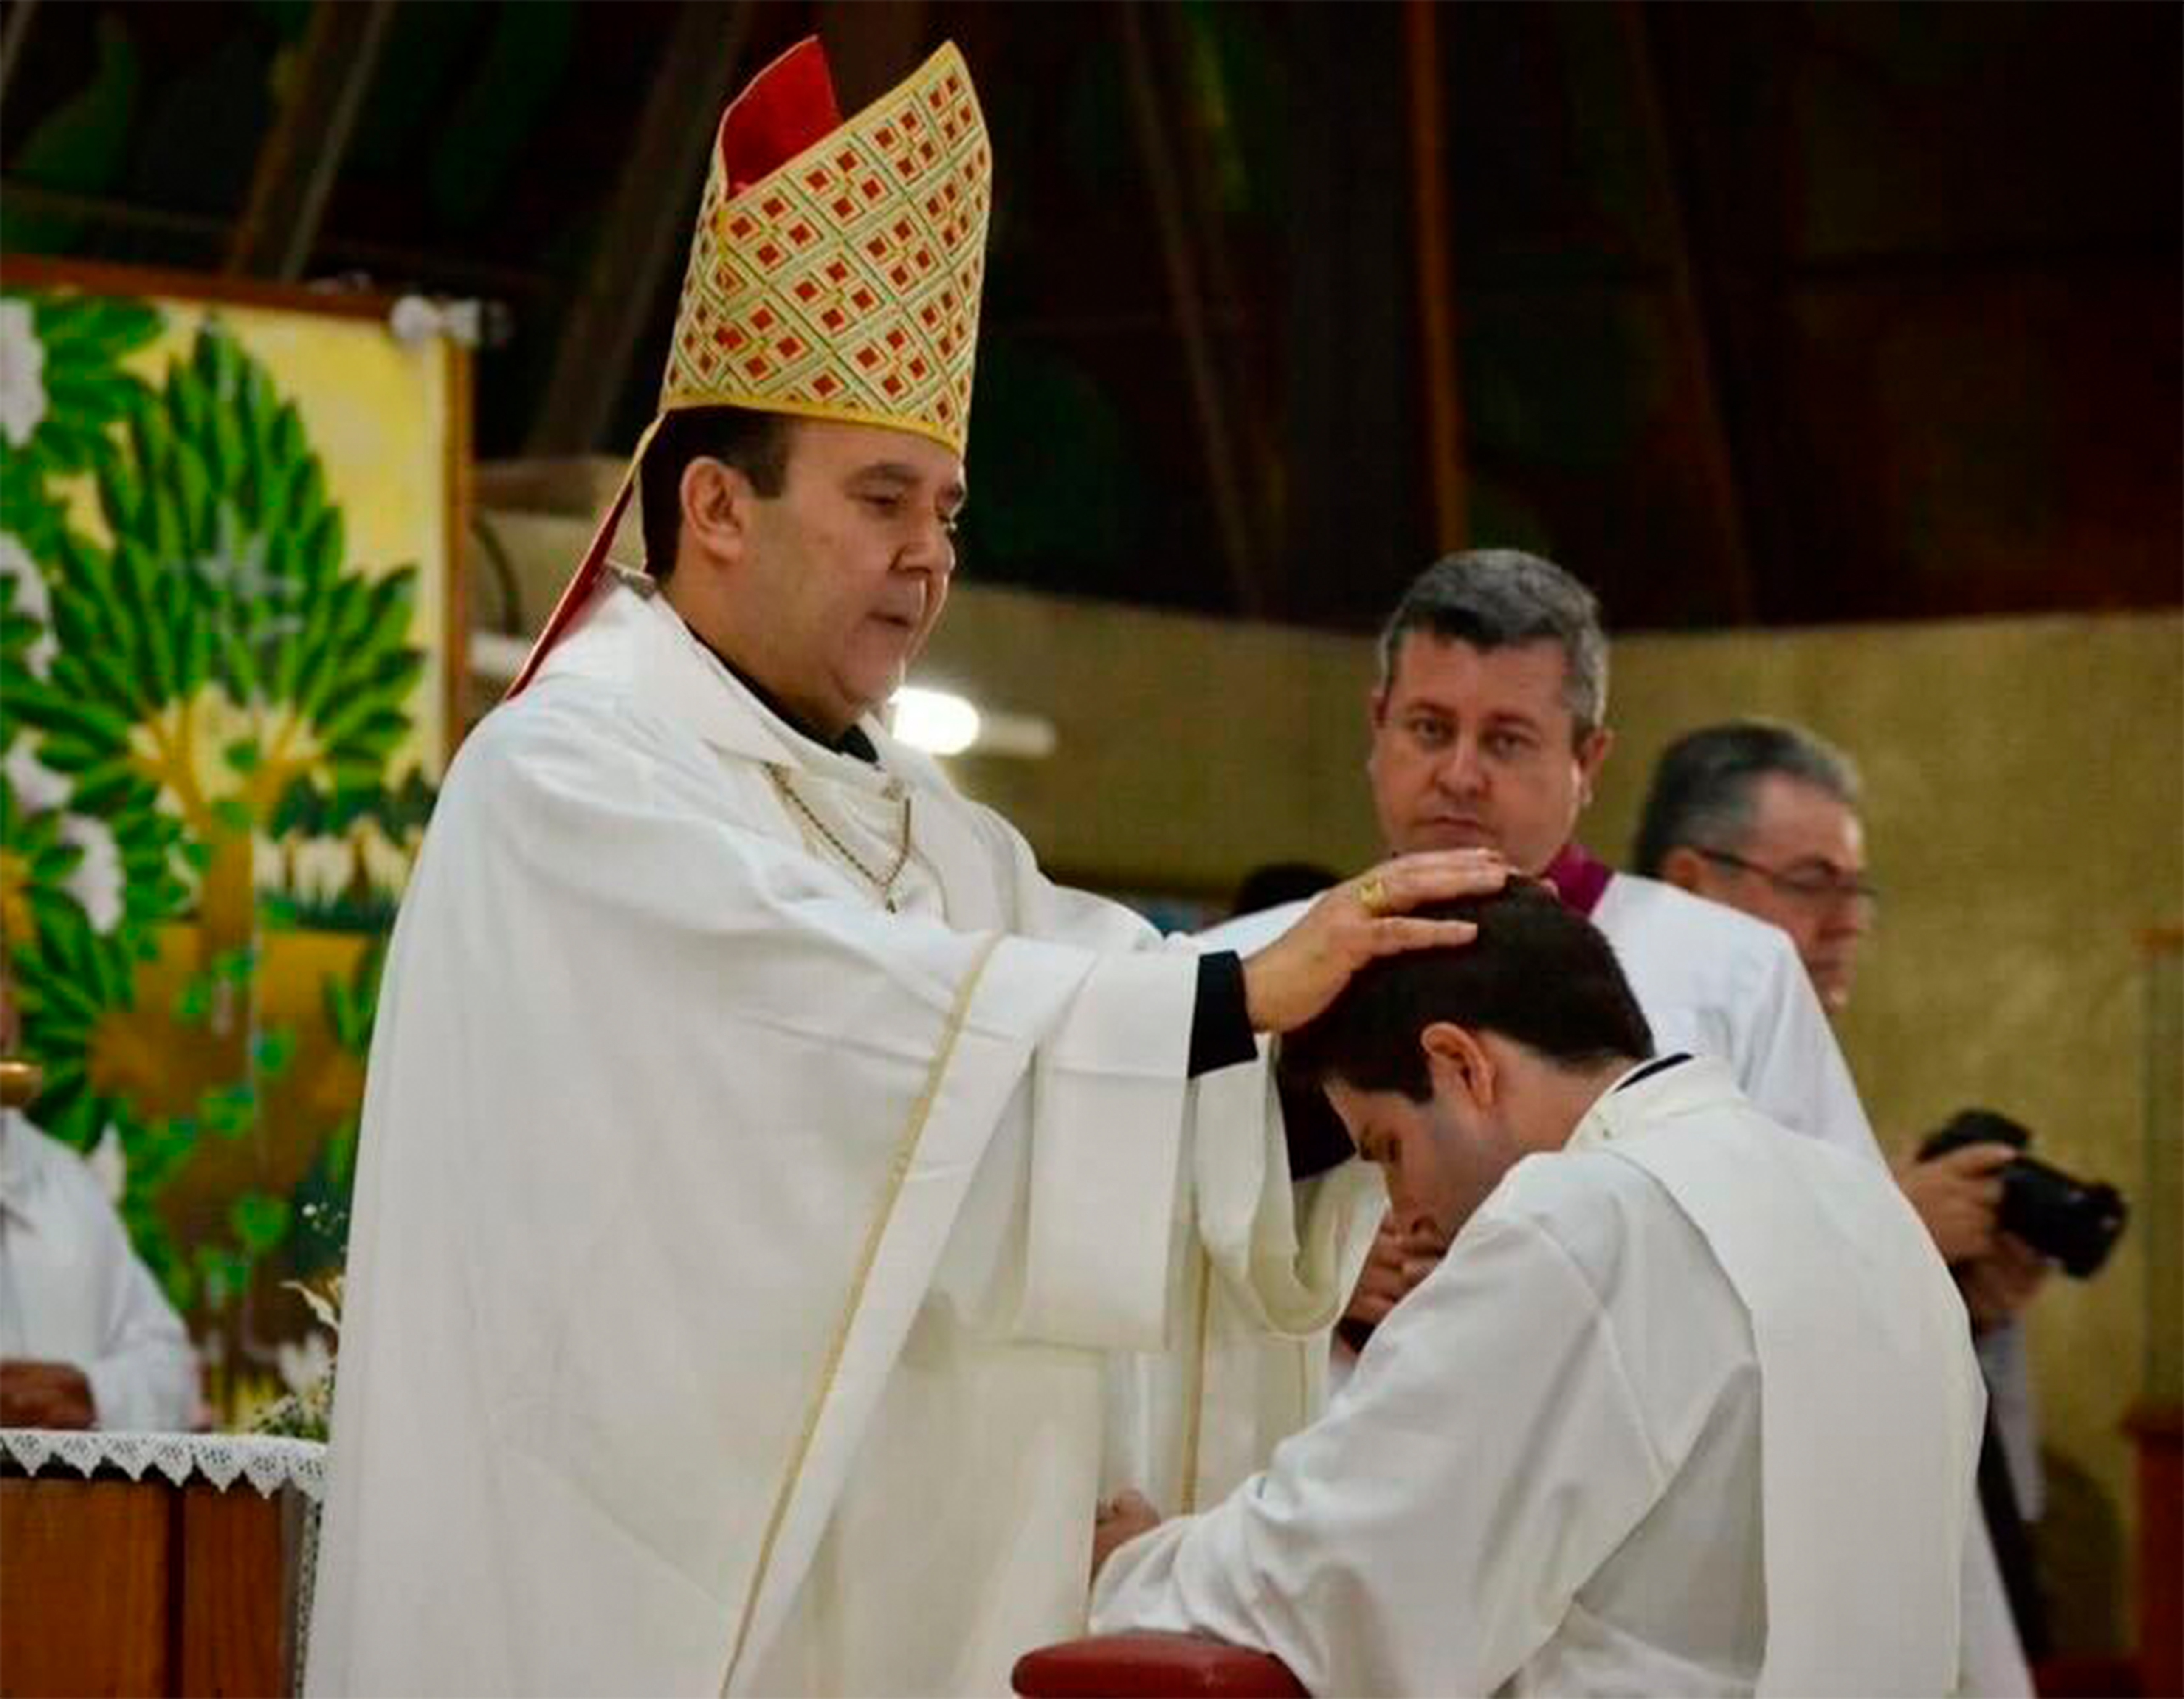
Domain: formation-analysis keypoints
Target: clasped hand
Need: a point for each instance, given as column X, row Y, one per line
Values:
column 1117, row 1521
column 45, row 1395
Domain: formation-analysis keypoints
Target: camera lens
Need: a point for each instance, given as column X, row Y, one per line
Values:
column 2073, row 1221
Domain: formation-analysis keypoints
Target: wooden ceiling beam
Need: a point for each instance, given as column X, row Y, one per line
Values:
column 303, row 153
column 647, row 228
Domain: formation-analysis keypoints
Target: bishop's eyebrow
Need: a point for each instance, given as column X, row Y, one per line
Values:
column 905, row 476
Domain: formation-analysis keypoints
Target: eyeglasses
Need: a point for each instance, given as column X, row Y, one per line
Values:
column 1817, row 886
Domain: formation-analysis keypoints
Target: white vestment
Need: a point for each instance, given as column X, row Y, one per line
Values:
column 73, row 1291
column 1718, row 982
column 734, row 1261
column 1688, row 1408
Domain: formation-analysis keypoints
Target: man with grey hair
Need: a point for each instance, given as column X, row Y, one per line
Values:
column 1763, row 816
column 1490, row 727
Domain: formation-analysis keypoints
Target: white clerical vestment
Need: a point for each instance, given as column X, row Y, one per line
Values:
column 734, row 1259
column 1718, row 982
column 72, row 1289
column 1688, row 1408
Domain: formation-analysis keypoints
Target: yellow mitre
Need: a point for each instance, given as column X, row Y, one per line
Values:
column 836, row 269
column 844, row 282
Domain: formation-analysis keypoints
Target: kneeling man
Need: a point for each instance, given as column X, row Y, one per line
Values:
column 1688, row 1407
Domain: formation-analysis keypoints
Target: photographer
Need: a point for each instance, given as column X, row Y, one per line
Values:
column 1763, row 817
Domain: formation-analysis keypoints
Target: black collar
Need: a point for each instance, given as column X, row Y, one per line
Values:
column 852, row 743
column 1659, row 1064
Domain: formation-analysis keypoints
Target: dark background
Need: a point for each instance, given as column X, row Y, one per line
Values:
column 1762, row 314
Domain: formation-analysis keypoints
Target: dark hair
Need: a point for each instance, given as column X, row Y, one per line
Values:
column 755, row 444
column 1274, row 883
column 1701, row 793
column 1537, row 973
column 1497, row 598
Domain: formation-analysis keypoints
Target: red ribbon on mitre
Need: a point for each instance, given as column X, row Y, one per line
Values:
column 788, row 106
column 784, row 110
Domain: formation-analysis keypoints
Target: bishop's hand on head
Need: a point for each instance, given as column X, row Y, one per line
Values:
column 1360, row 920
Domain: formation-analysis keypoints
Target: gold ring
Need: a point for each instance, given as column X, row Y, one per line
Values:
column 1373, row 895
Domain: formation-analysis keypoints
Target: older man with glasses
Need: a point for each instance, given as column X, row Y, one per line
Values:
column 1764, row 818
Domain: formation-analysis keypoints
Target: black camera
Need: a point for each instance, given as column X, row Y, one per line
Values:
column 2075, row 1221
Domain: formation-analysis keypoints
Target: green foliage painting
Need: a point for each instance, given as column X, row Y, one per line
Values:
column 219, row 756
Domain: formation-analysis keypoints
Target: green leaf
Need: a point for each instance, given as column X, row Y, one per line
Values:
column 193, row 490
column 170, row 539
column 224, row 1275
column 285, row 444
column 238, row 667
column 197, row 655
column 193, row 1000
column 227, row 448
column 187, row 403
column 216, row 357
column 300, row 809
column 260, row 1222
column 229, row 1111
column 153, row 441
column 120, row 493
column 112, row 684
column 94, row 725
column 71, row 756
column 273, row 1049
column 341, row 1152
column 108, row 788
column 322, row 548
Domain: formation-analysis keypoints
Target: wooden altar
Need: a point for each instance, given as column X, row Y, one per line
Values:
column 115, row 1586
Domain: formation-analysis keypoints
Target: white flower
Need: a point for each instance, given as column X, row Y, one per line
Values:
column 22, row 373
column 320, row 869
column 96, row 882
column 31, row 597
column 36, row 786
column 385, row 863
column 110, row 1164
column 302, row 1366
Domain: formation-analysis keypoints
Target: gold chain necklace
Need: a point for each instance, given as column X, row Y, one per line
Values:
column 885, row 886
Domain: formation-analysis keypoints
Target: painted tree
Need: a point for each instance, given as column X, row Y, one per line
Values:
column 219, row 689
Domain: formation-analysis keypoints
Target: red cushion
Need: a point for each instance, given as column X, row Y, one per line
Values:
column 1151, row 1666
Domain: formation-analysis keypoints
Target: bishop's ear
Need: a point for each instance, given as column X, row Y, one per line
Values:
column 1458, row 1065
column 716, row 503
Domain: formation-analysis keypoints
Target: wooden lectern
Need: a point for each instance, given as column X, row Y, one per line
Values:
column 110, row 1586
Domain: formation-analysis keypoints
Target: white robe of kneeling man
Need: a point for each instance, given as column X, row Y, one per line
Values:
column 1689, row 1407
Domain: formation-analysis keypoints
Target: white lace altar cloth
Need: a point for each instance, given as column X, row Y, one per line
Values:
column 266, row 1461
